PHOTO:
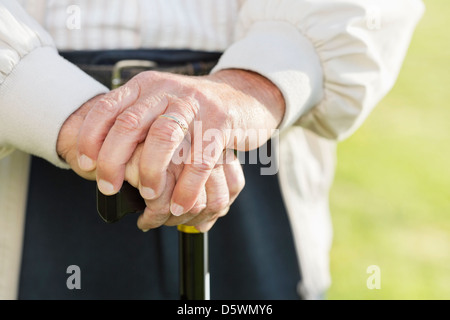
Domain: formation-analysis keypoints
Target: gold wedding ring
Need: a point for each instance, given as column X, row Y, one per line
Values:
column 182, row 125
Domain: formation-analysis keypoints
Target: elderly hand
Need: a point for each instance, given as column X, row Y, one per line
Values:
column 217, row 112
column 221, row 189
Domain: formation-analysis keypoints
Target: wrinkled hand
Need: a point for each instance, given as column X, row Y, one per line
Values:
column 66, row 146
column 227, row 102
column 221, row 189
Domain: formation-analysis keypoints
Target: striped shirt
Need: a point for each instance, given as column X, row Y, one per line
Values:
column 107, row 24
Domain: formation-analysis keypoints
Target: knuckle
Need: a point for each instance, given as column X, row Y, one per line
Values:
column 159, row 209
column 241, row 184
column 196, row 219
column 223, row 213
column 129, row 121
column 219, row 203
column 147, row 76
column 214, row 216
column 197, row 209
column 204, row 167
column 191, row 105
column 220, row 114
column 166, row 132
column 105, row 167
column 155, row 218
column 88, row 143
column 147, row 172
column 215, row 105
column 106, row 105
column 124, row 92
column 238, row 186
column 235, row 177
column 171, row 81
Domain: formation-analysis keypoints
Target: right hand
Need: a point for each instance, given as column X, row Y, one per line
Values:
column 220, row 191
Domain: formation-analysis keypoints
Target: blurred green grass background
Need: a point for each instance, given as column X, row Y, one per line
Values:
column 390, row 202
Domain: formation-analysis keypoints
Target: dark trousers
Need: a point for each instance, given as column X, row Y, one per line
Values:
column 252, row 255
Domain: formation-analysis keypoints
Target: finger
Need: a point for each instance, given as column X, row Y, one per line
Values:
column 217, row 195
column 192, row 215
column 196, row 173
column 207, row 225
column 157, row 212
column 130, row 129
column 152, row 219
column 234, row 175
column 222, row 188
column 164, row 138
column 217, row 191
column 100, row 119
column 132, row 167
column 201, row 203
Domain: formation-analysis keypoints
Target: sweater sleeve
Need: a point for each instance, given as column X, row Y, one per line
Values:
column 39, row 90
column 332, row 60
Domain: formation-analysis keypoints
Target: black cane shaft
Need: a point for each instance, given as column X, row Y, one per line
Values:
column 194, row 273
column 193, row 245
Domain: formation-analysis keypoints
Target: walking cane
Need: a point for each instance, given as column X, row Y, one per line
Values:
column 192, row 244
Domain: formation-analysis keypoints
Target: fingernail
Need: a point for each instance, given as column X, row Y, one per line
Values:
column 86, row 163
column 148, row 193
column 106, row 188
column 145, row 231
column 176, row 210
